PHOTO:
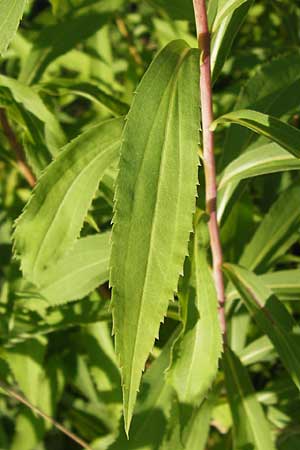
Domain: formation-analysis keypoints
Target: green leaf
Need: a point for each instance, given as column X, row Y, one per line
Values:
column 259, row 350
column 272, row 89
column 269, row 158
column 226, row 10
column 197, row 431
column 271, row 127
column 32, row 103
column 198, row 349
column 276, row 233
column 223, row 38
column 271, row 317
column 89, row 91
column 250, row 427
column 150, row 420
column 56, row 40
column 11, row 12
column 79, row 272
column 54, row 215
column 155, row 201
column 26, row 363
column 284, row 283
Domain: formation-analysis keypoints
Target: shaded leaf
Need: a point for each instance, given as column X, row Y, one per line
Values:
column 89, row 91
column 198, row 349
column 271, row 317
column 55, row 40
column 250, row 427
column 274, row 89
column 278, row 230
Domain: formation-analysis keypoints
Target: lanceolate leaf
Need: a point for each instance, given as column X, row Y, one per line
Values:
column 284, row 283
column 155, row 201
column 224, row 36
column 225, row 10
column 271, row 316
column 198, row 349
column 52, row 220
column 276, row 233
column 265, row 159
column 271, row 127
column 32, row 102
column 11, row 12
column 75, row 275
column 87, row 90
column 272, row 89
column 250, row 427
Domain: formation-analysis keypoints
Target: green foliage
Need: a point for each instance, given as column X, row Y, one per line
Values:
column 11, row 14
column 107, row 284
column 159, row 128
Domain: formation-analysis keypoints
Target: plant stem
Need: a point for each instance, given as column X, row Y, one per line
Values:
column 17, row 148
column 203, row 36
column 36, row 410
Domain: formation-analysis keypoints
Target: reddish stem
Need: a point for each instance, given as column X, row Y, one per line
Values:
column 208, row 153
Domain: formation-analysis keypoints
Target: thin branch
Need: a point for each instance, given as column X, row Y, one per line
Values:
column 208, row 153
column 17, row 148
column 132, row 49
column 24, row 401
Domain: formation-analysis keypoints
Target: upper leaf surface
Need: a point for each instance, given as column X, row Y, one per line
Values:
column 79, row 272
column 271, row 127
column 197, row 351
column 11, row 12
column 54, row 215
column 154, row 204
column 273, row 89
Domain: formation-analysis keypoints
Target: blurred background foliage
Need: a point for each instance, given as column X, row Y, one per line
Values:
column 84, row 58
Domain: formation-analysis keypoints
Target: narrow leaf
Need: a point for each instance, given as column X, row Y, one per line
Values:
column 271, row 89
column 271, row 127
column 250, row 427
column 52, row 219
column 284, row 283
column 154, row 204
column 224, row 36
column 11, row 12
column 196, row 353
column 226, row 9
column 270, row 158
column 276, row 233
column 271, row 316
column 75, row 275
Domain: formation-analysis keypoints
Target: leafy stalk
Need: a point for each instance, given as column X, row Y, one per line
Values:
column 208, row 152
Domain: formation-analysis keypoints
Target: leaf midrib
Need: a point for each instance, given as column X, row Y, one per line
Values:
column 171, row 83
